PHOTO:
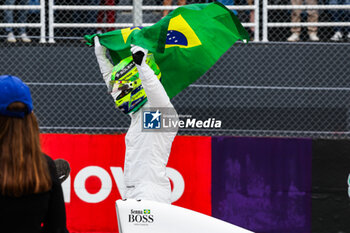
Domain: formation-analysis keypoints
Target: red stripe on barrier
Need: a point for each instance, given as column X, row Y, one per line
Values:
column 96, row 164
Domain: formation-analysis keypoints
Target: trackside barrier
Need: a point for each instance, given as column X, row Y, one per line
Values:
column 137, row 10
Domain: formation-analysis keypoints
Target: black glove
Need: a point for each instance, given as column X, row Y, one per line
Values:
column 139, row 55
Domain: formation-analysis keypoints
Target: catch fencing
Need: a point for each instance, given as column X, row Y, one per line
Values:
column 266, row 88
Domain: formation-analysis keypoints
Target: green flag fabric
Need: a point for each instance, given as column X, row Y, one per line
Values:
column 185, row 43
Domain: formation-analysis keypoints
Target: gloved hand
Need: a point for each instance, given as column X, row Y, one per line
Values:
column 139, row 55
column 99, row 49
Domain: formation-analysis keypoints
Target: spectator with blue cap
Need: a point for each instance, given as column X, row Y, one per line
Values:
column 31, row 197
column 13, row 90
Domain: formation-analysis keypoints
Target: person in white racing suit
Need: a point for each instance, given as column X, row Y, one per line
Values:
column 147, row 153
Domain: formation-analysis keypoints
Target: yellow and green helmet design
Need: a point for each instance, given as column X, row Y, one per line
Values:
column 125, row 82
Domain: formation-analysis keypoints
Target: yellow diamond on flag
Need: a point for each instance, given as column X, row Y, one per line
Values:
column 180, row 34
column 127, row 31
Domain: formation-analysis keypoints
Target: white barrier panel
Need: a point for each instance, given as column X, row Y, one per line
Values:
column 106, row 184
column 153, row 217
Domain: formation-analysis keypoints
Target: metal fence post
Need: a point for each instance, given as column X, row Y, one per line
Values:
column 137, row 13
column 265, row 20
column 51, row 22
column 257, row 20
column 42, row 22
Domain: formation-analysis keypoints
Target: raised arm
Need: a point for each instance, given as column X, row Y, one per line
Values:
column 156, row 95
column 106, row 66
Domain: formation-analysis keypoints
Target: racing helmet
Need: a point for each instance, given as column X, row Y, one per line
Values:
column 126, row 85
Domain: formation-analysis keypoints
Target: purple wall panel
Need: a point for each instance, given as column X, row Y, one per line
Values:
column 262, row 184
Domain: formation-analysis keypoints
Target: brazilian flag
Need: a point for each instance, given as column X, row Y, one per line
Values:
column 185, row 43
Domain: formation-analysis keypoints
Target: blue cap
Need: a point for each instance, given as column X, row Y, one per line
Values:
column 12, row 89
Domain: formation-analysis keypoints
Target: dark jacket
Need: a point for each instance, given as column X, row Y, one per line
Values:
column 43, row 212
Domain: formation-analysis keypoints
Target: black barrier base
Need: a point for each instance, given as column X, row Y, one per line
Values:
column 330, row 198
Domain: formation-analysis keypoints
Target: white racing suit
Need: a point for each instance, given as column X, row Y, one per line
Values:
column 147, row 153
